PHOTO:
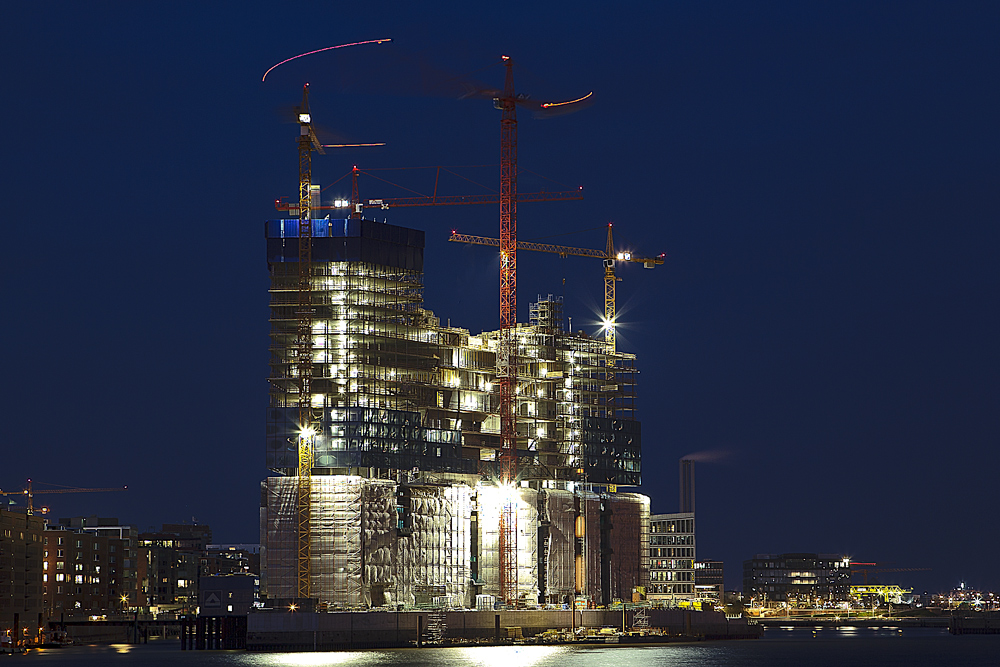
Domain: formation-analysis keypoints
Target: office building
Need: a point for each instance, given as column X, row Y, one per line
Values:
column 799, row 578
column 671, row 557
column 708, row 580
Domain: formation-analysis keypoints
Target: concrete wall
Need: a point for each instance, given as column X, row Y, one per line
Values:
column 282, row 630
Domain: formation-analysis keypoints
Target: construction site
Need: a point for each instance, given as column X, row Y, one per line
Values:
column 420, row 465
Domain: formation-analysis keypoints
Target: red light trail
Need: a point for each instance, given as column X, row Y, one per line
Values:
column 560, row 104
column 339, row 46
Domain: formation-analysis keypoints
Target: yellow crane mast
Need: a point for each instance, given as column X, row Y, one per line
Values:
column 303, row 343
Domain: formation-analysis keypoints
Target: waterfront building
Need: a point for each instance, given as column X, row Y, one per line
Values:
column 403, row 502
column 797, row 578
column 671, row 557
column 169, row 565
column 21, row 571
column 91, row 565
column 228, row 594
column 708, row 580
column 219, row 559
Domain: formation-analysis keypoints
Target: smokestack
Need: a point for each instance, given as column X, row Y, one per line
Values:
column 687, row 485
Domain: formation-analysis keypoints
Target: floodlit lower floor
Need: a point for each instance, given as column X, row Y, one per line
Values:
column 377, row 543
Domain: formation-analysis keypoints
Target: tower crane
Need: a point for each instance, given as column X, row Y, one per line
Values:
column 507, row 348
column 356, row 205
column 308, row 416
column 609, row 257
column 308, row 419
column 29, row 492
column 507, row 102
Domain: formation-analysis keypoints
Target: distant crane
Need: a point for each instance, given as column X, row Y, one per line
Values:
column 29, row 492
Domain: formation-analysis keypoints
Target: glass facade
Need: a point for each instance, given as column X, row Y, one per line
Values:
column 797, row 577
column 397, row 391
column 671, row 556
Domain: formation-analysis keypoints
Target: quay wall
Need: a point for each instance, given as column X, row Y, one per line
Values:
column 304, row 631
column 985, row 623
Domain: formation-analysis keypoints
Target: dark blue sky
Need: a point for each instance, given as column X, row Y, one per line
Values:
column 822, row 176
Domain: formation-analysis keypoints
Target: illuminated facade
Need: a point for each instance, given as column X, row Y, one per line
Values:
column 671, row 556
column 709, row 583
column 21, row 571
column 92, row 565
column 402, row 499
column 797, row 577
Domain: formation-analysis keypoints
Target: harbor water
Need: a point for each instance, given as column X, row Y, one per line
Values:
column 780, row 647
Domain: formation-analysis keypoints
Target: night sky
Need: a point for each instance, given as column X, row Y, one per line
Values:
column 823, row 178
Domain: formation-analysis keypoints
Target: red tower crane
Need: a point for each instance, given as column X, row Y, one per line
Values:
column 507, row 348
column 506, row 355
column 507, row 103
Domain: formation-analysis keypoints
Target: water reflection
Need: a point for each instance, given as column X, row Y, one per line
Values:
column 506, row 656
column 321, row 658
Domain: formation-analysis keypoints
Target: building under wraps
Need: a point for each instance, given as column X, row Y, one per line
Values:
column 404, row 504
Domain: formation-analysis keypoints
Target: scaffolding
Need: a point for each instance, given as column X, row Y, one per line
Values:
column 408, row 439
column 366, row 549
column 335, row 561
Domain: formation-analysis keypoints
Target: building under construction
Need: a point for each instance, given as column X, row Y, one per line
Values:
column 404, row 502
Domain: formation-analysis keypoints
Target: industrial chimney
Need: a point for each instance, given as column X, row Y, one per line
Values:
column 687, row 485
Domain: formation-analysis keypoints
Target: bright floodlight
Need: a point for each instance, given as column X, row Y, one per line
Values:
column 305, row 118
column 341, row 203
column 307, row 433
